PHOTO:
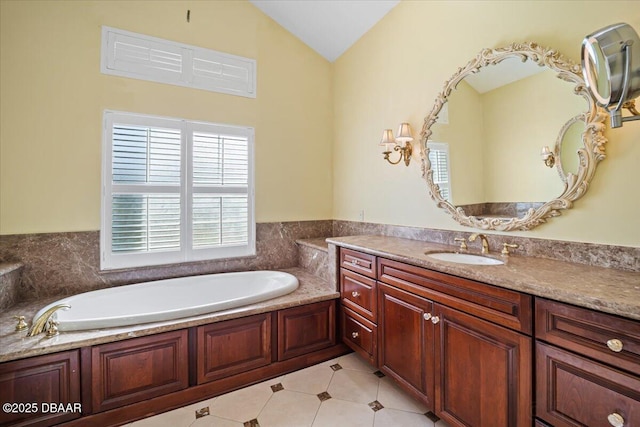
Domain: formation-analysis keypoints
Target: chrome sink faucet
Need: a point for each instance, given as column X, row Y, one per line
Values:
column 483, row 239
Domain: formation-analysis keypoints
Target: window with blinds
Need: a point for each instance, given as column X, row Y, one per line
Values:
column 138, row 56
column 439, row 158
column 175, row 191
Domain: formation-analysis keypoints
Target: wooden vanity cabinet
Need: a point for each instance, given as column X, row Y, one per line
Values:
column 406, row 340
column 483, row 372
column 53, row 378
column 588, row 367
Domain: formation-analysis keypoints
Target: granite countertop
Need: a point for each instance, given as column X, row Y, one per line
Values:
column 604, row 289
column 16, row 345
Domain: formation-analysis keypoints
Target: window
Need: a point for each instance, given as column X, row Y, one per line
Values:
column 175, row 191
column 439, row 158
column 138, row 56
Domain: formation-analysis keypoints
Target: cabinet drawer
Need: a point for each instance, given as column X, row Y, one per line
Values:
column 138, row 369
column 502, row 306
column 590, row 333
column 573, row 391
column 359, row 262
column 358, row 293
column 360, row 334
column 233, row 346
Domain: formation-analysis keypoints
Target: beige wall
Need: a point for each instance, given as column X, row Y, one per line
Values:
column 393, row 74
column 53, row 96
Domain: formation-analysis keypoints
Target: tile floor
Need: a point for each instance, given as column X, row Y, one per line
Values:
column 344, row 392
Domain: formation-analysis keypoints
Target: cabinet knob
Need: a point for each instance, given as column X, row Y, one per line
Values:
column 435, row 319
column 615, row 345
column 355, row 294
column 354, row 335
column 354, row 261
column 615, row 420
column 427, row 316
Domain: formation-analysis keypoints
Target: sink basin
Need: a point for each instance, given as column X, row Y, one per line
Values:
column 464, row 258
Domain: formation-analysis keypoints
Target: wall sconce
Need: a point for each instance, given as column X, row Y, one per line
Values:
column 611, row 68
column 548, row 157
column 389, row 142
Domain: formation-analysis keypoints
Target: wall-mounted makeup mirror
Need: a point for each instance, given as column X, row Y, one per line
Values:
column 482, row 141
column 611, row 67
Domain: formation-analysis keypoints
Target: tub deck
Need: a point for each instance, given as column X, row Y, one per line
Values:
column 15, row 345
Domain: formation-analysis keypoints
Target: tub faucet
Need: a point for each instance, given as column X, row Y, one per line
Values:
column 483, row 239
column 45, row 321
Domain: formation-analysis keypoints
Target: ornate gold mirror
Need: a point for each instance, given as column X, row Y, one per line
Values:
column 513, row 138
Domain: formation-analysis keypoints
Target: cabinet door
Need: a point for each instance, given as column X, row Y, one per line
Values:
column 483, row 372
column 50, row 379
column 360, row 334
column 138, row 369
column 573, row 391
column 406, row 340
column 306, row 328
column 233, row 346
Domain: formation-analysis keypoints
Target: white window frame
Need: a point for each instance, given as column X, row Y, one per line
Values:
column 224, row 79
column 442, row 147
column 110, row 260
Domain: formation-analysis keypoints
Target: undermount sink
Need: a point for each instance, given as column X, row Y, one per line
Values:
column 464, row 258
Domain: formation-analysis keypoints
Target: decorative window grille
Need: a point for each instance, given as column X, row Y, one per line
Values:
column 439, row 158
column 175, row 191
column 138, row 56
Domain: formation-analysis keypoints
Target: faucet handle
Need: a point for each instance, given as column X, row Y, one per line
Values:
column 52, row 328
column 21, row 323
column 505, row 248
column 463, row 243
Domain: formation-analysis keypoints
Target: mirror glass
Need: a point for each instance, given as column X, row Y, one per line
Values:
column 485, row 139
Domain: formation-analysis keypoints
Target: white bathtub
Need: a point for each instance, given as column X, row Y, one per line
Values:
column 169, row 299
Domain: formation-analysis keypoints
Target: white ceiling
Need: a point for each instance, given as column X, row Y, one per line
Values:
column 329, row 27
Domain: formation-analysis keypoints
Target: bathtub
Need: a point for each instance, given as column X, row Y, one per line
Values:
column 169, row 299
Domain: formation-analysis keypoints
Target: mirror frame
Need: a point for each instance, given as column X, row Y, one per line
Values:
column 590, row 153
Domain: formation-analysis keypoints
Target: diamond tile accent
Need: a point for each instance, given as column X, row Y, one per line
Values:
column 336, row 367
column 379, row 374
column 375, row 406
column 324, row 396
column 277, row 387
column 433, row 417
column 252, row 423
column 202, row 412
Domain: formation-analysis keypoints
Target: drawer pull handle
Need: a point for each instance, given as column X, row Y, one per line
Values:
column 355, row 294
column 615, row 345
column 427, row 316
column 615, row 420
column 435, row 319
column 354, row 335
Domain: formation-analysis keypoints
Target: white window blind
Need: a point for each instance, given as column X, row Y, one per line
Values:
column 138, row 56
column 439, row 158
column 174, row 191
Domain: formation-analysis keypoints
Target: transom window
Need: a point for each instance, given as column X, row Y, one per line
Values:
column 174, row 191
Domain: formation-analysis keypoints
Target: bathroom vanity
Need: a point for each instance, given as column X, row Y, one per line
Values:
column 484, row 355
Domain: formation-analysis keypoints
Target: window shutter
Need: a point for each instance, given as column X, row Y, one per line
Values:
column 439, row 158
column 138, row 56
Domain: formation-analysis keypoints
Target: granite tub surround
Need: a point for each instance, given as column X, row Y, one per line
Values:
column 312, row 256
column 59, row 264
column 619, row 257
column 16, row 345
column 609, row 290
column 9, row 283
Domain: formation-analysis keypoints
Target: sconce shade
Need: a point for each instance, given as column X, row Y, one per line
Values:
column 604, row 64
column 404, row 133
column 387, row 137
